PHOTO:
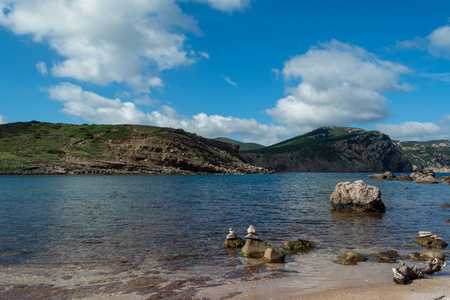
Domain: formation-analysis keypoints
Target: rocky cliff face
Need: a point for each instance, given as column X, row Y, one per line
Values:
column 432, row 155
column 332, row 149
column 46, row 148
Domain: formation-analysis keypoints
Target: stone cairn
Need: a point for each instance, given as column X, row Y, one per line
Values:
column 251, row 233
column 233, row 241
column 256, row 248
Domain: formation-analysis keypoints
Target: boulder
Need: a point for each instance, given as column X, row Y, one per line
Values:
column 430, row 242
column 427, row 179
column 254, row 248
column 389, row 175
column 273, row 255
column 357, row 196
column 298, row 245
column 354, row 256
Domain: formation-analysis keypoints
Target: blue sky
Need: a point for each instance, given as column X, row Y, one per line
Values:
column 253, row 70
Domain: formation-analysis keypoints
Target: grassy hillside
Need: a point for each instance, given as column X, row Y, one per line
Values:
column 315, row 141
column 332, row 149
column 47, row 148
column 242, row 146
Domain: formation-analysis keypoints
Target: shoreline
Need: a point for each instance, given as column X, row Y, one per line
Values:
column 348, row 282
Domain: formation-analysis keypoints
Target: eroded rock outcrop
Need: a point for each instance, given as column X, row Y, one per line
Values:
column 357, row 196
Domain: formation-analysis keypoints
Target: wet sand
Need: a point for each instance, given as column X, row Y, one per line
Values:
column 349, row 282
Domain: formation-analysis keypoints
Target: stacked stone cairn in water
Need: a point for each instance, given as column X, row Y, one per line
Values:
column 233, row 241
column 256, row 248
column 426, row 239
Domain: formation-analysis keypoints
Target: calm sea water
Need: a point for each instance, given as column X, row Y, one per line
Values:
column 162, row 235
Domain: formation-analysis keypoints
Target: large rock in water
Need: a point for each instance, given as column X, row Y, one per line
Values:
column 357, row 196
column 260, row 249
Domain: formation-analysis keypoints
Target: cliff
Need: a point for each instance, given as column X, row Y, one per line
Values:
column 47, row 148
column 431, row 155
column 332, row 149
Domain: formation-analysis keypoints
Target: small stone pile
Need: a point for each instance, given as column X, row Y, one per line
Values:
column 233, row 241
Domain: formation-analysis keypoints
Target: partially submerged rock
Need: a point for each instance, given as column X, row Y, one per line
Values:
column 273, row 255
column 357, row 196
column 404, row 177
column 387, row 257
column 425, row 177
column 298, row 245
column 351, row 258
column 233, row 241
column 404, row 274
column 430, row 242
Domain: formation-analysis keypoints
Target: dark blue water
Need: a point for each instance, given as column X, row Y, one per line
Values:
column 173, row 226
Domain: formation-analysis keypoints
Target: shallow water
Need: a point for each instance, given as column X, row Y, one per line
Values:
column 162, row 235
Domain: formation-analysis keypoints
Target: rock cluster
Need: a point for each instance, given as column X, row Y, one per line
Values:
column 256, row 248
column 425, row 176
column 357, row 196
column 430, row 241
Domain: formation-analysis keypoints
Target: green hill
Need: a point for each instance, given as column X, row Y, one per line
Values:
column 332, row 149
column 242, row 146
column 47, row 148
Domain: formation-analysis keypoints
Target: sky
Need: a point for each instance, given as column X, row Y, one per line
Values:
column 252, row 70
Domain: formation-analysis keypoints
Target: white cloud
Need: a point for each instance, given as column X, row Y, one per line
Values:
column 228, row 79
column 104, row 41
column 97, row 109
column 340, row 84
column 3, row 120
column 42, row 68
column 145, row 100
column 227, row 5
column 418, row 131
column 437, row 43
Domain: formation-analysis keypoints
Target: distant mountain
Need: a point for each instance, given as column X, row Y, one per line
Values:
column 242, row 146
column 332, row 149
column 47, row 148
column 433, row 155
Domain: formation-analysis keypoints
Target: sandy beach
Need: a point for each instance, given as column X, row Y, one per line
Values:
column 348, row 282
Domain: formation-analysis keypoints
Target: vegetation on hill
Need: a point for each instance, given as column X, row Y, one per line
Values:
column 332, row 149
column 47, row 148
column 242, row 146
column 433, row 155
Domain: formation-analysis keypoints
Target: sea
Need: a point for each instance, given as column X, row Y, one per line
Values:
column 64, row 237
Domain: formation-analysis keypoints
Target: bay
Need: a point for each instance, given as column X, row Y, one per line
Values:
column 78, row 234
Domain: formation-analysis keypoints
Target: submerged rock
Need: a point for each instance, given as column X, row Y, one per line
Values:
column 387, row 257
column 298, row 245
column 404, row 177
column 357, row 196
